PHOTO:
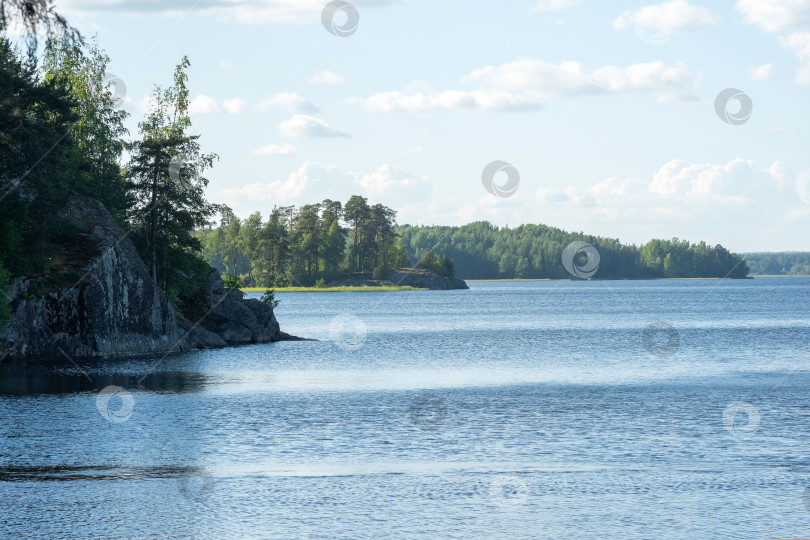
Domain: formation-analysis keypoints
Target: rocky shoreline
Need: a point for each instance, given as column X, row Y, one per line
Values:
column 103, row 303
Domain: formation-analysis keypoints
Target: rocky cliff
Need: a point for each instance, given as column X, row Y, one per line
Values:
column 99, row 300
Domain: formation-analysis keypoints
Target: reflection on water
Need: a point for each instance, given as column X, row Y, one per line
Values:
column 516, row 410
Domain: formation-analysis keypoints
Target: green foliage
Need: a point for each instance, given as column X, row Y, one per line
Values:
column 320, row 283
column 481, row 250
column 779, row 264
column 269, row 298
column 304, row 245
column 440, row 264
column 165, row 172
column 232, row 281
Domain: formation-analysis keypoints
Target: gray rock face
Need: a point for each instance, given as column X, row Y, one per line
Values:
column 107, row 304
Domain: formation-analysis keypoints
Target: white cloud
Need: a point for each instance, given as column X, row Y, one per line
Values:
column 303, row 126
column 314, row 182
column 526, row 83
column 799, row 43
column 225, row 64
column 235, row 105
column 288, row 100
column 327, row 77
column 760, row 73
column 775, row 15
column 241, row 11
column 275, row 150
column 203, row 105
column 667, row 18
column 555, row 5
column 394, row 184
column 680, row 183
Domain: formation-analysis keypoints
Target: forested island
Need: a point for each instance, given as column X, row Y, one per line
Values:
column 321, row 242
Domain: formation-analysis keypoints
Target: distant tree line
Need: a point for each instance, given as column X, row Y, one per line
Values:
column 306, row 245
column 779, row 264
column 482, row 250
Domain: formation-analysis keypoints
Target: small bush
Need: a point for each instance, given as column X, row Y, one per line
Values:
column 232, row 281
column 320, row 283
column 269, row 298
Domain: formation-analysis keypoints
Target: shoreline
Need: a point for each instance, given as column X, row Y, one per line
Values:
column 333, row 289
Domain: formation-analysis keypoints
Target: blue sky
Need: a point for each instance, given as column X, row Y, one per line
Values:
column 606, row 110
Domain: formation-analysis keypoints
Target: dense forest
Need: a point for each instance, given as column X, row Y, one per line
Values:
column 319, row 242
column 779, row 264
column 62, row 135
column 483, row 251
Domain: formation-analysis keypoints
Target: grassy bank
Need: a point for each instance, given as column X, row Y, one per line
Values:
column 333, row 289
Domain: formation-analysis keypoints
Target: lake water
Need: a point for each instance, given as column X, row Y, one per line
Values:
column 633, row 409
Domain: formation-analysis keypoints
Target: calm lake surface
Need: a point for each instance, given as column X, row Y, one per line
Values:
column 634, row 409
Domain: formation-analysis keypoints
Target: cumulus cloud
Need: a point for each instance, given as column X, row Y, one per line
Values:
column 555, row 5
column 203, row 104
column 799, row 43
column 760, row 73
column 314, row 182
column 288, row 100
column 241, row 11
column 303, row 126
column 327, row 77
column 394, row 184
column 737, row 183
column 775, row 15
column 526, row 83
column 275, row 150
column 667, row 18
